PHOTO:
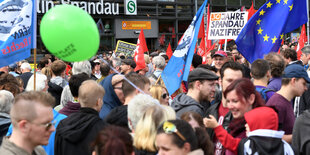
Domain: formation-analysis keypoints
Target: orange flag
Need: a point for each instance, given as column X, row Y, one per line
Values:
column 139, row 52
column 302, row 41
column 169, row 51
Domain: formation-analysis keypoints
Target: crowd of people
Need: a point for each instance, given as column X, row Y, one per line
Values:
column 106, row 106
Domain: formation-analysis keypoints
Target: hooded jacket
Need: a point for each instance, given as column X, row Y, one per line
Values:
column 110, row 99
column 55, row 90
column 184, row 103
column 263, row 137
column 75, row 133
column 5, row 122
column 301, row 137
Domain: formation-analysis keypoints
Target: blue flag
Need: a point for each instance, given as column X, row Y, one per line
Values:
column 178, row 66
column 265, row 31
column 17, row 30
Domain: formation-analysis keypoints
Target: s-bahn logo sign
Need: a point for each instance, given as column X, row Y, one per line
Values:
column 130, row 7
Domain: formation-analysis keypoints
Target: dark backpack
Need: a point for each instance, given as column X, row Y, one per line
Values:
column 263, row 92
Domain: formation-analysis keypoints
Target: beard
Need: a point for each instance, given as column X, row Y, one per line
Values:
column 204, row 97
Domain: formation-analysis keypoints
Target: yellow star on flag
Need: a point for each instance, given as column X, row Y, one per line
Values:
column 261, row 13
column 285, row 2
column 260, row 30
column 274, row 39
column 266, row 37
column 282, row 35
column 258, row 21
column 278, row 1
column 291, row 7
column 269, row 5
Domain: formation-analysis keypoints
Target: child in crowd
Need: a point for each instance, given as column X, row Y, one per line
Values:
column 263, row 137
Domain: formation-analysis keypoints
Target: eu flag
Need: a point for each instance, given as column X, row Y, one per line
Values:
column 179, row 65
column 265, row 31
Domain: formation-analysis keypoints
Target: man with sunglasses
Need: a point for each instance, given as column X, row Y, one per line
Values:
column 31, row 116
column 201, row 87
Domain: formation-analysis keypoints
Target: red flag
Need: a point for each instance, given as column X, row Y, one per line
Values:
column 251, row 11
column 208, row 42
column 162, row 39
column 142, row 41
column 169, row 51
column 302, row 41
column 201, row 33
column 204, row 56
column 280, row 46
column 139, row 52
column 201, row 48
column 173, row 33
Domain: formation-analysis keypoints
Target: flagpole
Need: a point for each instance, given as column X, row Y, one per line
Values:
column 308, row 36
column 35, row 67
column 196, row 6
column 34, row 36
column 225, row 45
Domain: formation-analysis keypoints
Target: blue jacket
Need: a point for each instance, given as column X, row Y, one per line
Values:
column 49, row 149
column 110, row 99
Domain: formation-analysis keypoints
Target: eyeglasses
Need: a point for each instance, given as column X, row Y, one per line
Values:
column 46, row 125
column 170, row 128
column 164, row 95
column 118, row 88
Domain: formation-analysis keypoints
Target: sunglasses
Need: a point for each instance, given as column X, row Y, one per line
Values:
column 164, row 95
column 170, row 128
column 47, row 125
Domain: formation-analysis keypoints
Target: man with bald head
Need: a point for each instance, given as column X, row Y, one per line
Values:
column 31, row 116
column 75, row 133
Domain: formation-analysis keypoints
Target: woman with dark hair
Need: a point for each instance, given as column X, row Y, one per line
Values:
column 204, row 141
column 113, row 140
column 176, row 137
column 196, row 121
column 241, row 97
column 193, row 118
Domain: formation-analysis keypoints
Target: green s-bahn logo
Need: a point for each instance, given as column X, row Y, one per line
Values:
column 131, row 6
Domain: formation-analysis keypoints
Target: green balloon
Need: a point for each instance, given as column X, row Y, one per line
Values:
column 70, row 33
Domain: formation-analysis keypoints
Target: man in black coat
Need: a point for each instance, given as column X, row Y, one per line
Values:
column 76, row 133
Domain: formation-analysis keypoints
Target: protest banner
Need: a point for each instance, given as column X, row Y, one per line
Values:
column 226, row 25
column 17, row 30
column 126, row 48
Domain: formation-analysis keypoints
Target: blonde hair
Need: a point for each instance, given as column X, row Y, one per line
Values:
column 136, row 108
column 145, row 132
column 89, row 93
column 47, row 71
column 156, row 91
column 24, row 105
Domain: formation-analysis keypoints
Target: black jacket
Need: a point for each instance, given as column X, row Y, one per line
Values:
column 55, row 91
column 75, row 133
column 25, row 77
column 5, row 122
column 213, row 110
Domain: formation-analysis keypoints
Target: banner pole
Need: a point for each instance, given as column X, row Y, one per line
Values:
column 35, row 68
column 225, row 45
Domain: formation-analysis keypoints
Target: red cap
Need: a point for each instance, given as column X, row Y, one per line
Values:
column 220, row 53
